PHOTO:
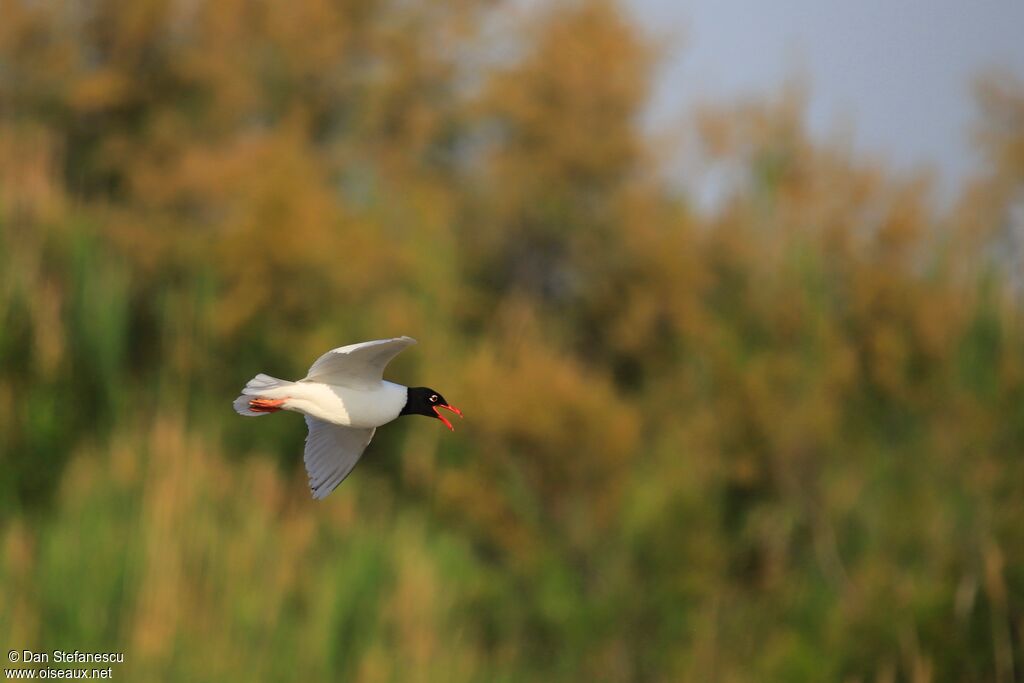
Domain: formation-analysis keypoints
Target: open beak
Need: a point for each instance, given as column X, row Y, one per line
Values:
column 442, row 418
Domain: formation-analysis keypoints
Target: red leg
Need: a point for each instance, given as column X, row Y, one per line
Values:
column 266, row 405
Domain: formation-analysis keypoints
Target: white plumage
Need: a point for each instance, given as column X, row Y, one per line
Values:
column 331, row 453
column 344, row 398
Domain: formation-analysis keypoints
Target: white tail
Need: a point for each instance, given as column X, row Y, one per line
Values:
column 259, row 386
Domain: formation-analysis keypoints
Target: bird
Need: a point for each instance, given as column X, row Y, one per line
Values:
column 344, row 398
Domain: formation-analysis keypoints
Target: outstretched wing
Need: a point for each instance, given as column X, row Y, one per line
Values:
column 331, row 453
column 357, row 365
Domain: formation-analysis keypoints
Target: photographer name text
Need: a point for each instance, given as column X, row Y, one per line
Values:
column 65, row 657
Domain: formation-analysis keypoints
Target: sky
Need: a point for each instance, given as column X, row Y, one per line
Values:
column 896, row 74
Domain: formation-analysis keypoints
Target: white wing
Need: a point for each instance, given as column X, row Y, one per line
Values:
column 357, row 365
column 331, row 453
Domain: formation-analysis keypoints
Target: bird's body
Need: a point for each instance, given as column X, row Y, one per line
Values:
column 344, row 398
column 339, row 404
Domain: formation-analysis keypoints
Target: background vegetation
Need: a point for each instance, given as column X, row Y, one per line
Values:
column 780, row 439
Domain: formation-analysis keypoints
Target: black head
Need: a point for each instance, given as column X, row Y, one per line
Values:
column 426, row 401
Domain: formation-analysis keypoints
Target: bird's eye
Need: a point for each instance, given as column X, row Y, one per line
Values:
column 433, row 398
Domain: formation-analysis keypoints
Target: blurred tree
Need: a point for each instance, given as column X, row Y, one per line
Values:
column 562, row 146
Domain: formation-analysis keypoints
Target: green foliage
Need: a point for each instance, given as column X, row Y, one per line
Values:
column 777, row 441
